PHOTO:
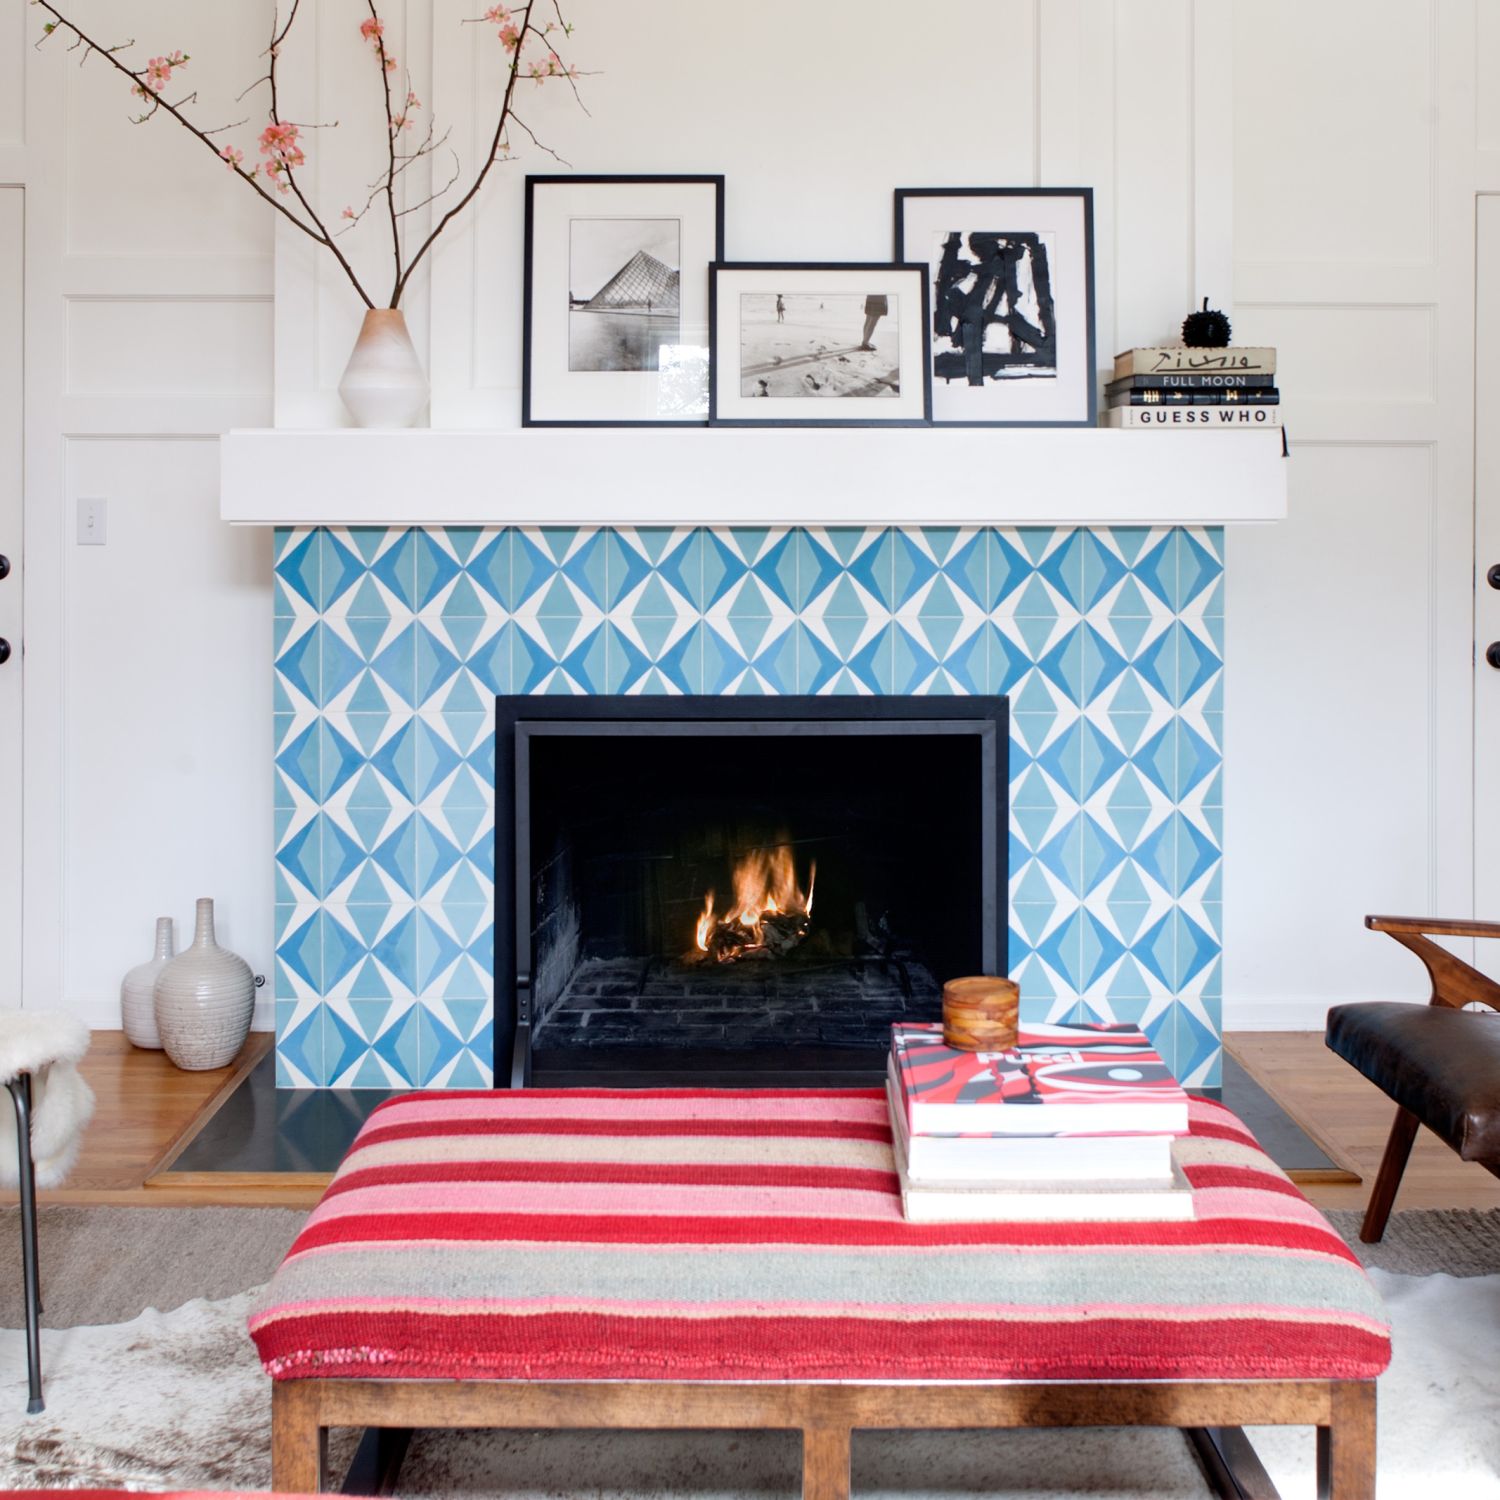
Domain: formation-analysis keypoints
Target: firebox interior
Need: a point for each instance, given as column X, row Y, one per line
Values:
column 712, row 899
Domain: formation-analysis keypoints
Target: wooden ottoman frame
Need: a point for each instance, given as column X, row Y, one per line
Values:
column 826, row 1413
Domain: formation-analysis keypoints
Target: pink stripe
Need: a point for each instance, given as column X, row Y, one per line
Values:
column 1026, row 1312
column 1247, row 1203
column 611, row 1197
column 525, row 1105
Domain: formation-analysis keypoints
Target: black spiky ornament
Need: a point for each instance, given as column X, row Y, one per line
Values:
column 1206, row 329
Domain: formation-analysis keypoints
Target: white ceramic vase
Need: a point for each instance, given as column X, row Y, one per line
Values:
column 383, row 384
column 204, row 1000
column 138, row 991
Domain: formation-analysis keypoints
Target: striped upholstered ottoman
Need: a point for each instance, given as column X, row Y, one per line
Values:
column 732, row 1259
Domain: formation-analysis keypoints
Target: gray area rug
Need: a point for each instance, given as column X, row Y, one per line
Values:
column 107, row 1265
column 1426, row 1241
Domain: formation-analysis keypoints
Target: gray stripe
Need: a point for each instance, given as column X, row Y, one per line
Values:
column 793, row 1274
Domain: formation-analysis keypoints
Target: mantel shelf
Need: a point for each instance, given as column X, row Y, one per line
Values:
column 779, row 476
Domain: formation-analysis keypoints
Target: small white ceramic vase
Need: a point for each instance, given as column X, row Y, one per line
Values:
column 204, row 1000
column 383, row 384
column 138, row 991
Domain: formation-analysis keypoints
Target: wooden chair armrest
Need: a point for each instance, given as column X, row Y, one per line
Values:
column 1454, row 982
column 1438, row 926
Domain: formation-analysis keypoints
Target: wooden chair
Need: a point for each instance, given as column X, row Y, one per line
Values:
column 1439, row 1062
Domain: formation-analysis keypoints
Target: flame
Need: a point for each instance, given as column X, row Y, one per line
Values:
column 765, row 885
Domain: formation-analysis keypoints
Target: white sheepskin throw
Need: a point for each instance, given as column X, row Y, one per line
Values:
column 49, row 1048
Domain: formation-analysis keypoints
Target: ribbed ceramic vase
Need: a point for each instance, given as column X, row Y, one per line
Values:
column 383, row 384
column 138, row 991
column 204, row 999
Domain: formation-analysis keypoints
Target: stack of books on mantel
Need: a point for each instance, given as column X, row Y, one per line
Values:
column 1229, row 389
column 1076, row 1122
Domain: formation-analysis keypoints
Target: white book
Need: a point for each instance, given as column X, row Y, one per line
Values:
column 1145, row 1159
column 1232, row 416
column 1091, row 1202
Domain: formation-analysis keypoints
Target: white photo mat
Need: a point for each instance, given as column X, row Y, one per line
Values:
column 789, row 345
column 571, row 226
column 1063, row 221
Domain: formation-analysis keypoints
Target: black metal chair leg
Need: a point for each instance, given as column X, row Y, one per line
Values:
column 20, row 1093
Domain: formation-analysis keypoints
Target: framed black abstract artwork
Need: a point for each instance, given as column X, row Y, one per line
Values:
column 1011, row 287
column 616, row 299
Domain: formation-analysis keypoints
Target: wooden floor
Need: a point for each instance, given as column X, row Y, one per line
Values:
column 146, row 1107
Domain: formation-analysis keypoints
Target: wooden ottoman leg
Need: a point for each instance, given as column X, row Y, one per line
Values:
column 299, row 1444
column 825, row 1463
column 1346, row 1447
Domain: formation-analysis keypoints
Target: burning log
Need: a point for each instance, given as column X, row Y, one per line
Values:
column 770, row 915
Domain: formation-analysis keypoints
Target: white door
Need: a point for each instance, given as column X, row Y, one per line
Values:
column 11, row 199
column 1487, row 574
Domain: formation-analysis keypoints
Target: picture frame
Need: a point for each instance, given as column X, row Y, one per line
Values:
column 1011, row 284
column 615, row 305
column 818, row 344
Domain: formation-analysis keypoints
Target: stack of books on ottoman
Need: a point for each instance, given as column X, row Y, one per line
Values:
column 1228, row 389
column 1073, row 1122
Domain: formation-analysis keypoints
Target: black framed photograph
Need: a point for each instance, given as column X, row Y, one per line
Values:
column 818, row 345
column 1010, row 272
column 616, row 329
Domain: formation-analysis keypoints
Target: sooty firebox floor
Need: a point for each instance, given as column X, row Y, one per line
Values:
column 743, row 1007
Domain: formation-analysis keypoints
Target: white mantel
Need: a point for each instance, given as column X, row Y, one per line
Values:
column 721, row 476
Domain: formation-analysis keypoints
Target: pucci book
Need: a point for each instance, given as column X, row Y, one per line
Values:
column 1222, row 396
column 1228, row 416
column 1208, row 380
column 1076, row 1202
column 1061, row 1078
column 1143, row 1161
column 1184, row 361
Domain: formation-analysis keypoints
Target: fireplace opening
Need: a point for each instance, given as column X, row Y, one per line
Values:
column 717, row 894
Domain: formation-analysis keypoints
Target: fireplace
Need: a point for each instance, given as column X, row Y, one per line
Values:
column 723, row 890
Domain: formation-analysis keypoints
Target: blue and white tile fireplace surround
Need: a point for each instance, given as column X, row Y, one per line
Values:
column 392, row 643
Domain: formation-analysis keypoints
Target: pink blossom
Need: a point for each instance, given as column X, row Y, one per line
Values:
column 497, row 15
column 279, row 144
column 390, row 63
column 159, row 72
column 412, row 102
column 510, row 36
column 233, row 156
column 348, row 212
column 371, row 29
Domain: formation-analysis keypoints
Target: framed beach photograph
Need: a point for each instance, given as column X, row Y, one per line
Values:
column 822, row 345
column 1010, row 272
column 616, row 299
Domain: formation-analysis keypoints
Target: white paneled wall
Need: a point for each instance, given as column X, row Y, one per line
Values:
column 149, row 331
column 1311, row 168
column 1349, row 751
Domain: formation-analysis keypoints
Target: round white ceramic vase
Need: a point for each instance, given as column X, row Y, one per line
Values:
column 138, row 991
column 204, row 1000
column 383, row 384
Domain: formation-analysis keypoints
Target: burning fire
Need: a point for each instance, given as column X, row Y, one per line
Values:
column 770, row 913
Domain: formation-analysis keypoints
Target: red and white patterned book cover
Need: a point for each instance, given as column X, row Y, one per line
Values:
column 1061, row 1078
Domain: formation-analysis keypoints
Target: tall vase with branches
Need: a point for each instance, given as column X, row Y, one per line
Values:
column 383, row 385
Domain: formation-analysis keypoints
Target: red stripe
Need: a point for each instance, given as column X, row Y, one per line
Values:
column 496, row 1095
column 844, row 1130
column 594, row 1346
column 1214, row 1175
column 707, row 1174
column 689, row 1231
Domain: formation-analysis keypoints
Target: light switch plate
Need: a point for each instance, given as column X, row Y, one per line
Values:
column 90, row 522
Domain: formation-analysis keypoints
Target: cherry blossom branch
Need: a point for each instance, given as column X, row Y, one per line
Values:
column 374, row 29
column 279, row 144
column 142, row 80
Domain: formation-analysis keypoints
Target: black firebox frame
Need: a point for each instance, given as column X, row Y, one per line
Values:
column 519, row 720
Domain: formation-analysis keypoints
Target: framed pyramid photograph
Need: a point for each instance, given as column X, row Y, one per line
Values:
column 616, row 299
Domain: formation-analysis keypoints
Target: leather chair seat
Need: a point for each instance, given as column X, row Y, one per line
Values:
column 1440, row 1063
